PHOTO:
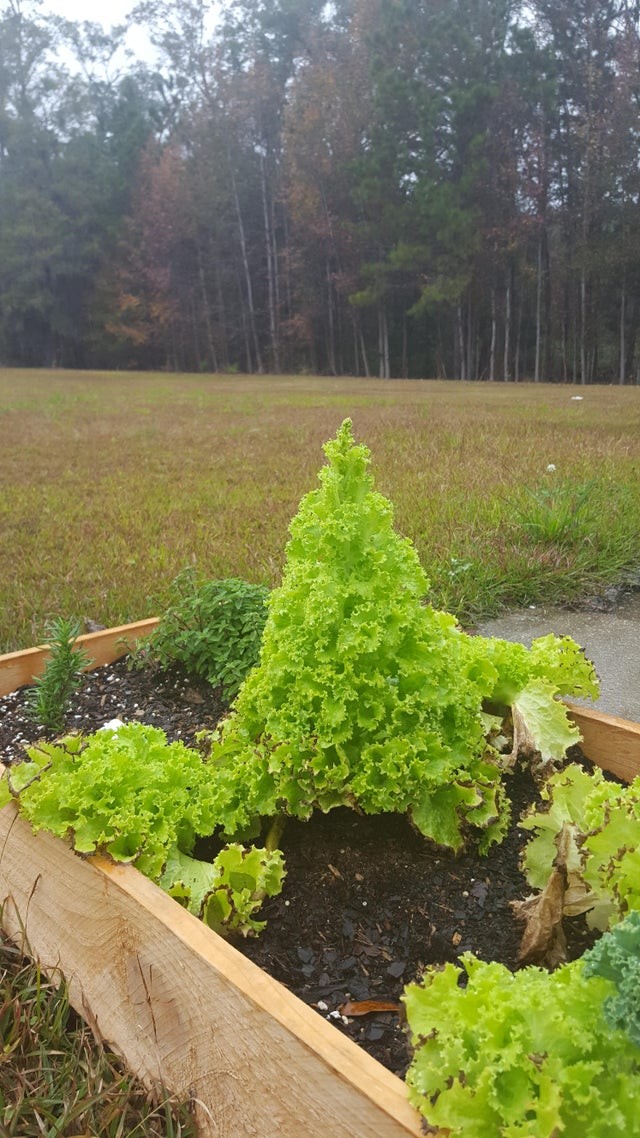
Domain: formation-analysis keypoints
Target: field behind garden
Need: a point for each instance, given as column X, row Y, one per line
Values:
column 111, row 483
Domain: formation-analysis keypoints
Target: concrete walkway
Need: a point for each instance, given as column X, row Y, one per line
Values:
column 610, row 639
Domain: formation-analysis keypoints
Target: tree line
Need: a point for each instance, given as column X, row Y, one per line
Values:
column 383, row 188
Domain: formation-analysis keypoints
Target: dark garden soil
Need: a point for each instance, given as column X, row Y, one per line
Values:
column 367, row 903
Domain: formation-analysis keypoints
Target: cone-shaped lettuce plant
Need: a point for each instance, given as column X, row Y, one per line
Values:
column 362, row 696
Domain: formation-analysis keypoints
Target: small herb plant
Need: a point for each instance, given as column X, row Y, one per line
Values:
column 212, row 628
column 48, row 699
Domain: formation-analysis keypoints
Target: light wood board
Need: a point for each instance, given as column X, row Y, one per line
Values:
column 19, row 668
column 612, row 743
column 184, row 1007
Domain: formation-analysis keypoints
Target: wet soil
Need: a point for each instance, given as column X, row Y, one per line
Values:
column 367, row 902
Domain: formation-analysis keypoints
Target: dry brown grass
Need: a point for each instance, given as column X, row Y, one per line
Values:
column 111, row 483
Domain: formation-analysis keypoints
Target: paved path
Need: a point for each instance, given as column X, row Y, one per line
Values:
column 611, row 640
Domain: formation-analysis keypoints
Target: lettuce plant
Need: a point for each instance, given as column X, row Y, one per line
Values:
column 226, row 893
column 132, row 795
column 592, row 827
column 364, row 695
column 524, row 1055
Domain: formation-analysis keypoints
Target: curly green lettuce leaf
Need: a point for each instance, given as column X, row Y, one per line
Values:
column 363, row 695
column 526, row 1054
column 556, row 659
column 541, row 724
column 127, row 793
column 601, row 821
column 227, row 892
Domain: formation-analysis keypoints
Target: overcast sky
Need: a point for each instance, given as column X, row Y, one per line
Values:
column 109, row 13
column 112, row 12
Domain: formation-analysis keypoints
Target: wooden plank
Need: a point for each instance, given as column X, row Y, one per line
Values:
column 18, row 668
column 184, row 1007
column 612, row 743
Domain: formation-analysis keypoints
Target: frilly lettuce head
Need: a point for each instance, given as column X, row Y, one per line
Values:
column 363, row 694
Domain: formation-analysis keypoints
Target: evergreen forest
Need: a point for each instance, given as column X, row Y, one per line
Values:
column 392, row 188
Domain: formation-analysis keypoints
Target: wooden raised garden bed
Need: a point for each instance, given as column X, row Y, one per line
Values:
column 180, row 1004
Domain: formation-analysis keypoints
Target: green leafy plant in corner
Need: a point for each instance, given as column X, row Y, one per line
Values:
column 616, row 957
column 48, row 698
column 588, row 832
column 133, row 796
column 521, row 1055
column 363, row 695
column 213, row 629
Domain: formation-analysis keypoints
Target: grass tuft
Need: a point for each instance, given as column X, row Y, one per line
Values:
column 56, row 1081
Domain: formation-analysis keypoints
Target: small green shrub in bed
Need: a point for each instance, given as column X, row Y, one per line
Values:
column 212, row 628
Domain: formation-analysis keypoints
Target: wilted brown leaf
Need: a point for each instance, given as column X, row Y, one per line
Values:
column 565, row 894
column 368, row 1007
column 543, row 939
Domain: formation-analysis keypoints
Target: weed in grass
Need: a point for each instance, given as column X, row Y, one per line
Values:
column 559, row 512
column 55, row 1080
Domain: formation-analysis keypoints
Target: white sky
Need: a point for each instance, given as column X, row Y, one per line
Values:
column 107, row 13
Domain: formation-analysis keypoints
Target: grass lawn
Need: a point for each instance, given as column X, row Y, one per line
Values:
column 111, row 483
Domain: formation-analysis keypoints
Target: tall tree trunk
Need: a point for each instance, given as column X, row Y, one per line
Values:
column 356, row 351
column 492, row 349
column 471, row 362
column 213, row 359
column 331, row 331
column 244, row 324
column 271, row 270
column 223, row 331
column 623, row 303
column 383, row 342
column 363, row 349
column 193, row 313
column 287, row 265
column 565, row 366
column 462, row 369
column 583, row 326
column 536, row 370
column 251, row 312
column 507, row 328
column 516, row 367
